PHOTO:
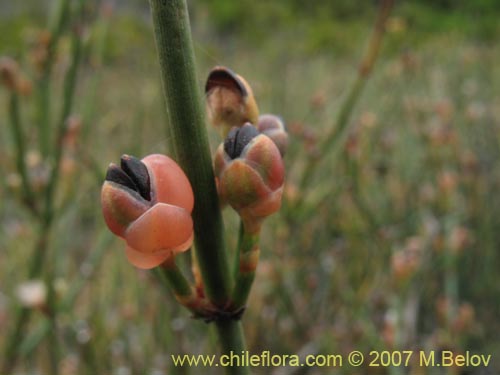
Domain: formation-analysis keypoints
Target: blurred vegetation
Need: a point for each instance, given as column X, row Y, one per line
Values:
column 327, row 24
column 393, row 244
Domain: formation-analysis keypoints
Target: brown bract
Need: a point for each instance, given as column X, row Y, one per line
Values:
column 229, row 100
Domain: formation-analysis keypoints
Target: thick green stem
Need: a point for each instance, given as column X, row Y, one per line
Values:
column 232, row 339
column 248, row 258
column 190, row 141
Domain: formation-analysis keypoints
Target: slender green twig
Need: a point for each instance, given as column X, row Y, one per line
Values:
column 248, row 258
column 53, row 342
column 23, row 314
column 18, row 138
column 170, row 275
column 67, row 105
column 87, row 112
column 238, row 248
column 365, row 211
column 46, row 219
column 93, row 260
column 56, row 28
column 192, row 151
column 68, row 96
column 334, row 138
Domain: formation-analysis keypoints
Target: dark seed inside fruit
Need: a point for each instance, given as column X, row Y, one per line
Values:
column 138, row 172
column 132, row 174
column 238, row 138
column 115, row 174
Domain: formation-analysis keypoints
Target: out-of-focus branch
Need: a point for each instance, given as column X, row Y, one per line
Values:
column 336, row 135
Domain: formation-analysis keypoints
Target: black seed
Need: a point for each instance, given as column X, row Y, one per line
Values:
column 138, row 172
column 230, row 142
column 238, row 138
column 132, row 174
column 115, row 174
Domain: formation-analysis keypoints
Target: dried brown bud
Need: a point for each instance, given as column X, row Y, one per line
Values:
column 229, row 100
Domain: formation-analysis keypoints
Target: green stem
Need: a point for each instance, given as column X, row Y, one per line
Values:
column 248, row 258
column 18, row 138
column 51, row 313
column 37, row 259
column 333, row 141
column 190, row 141
column 12, row 342
column 334, row 138
column 190, row 145
column 56, row 28
column 241, row 232
column 53, row 345
column 92, row 261
column 67, row 105
column 22, row 313
column 357, row 196
column 171, row 276
column 232, row 338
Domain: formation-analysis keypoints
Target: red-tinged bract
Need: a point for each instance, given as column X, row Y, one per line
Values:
column 274, row 127
column 148, row 203
column 250, row 175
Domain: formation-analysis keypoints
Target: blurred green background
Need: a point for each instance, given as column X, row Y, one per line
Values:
column 394, row 245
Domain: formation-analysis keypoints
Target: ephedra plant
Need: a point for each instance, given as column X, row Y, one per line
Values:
column 162, row 207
